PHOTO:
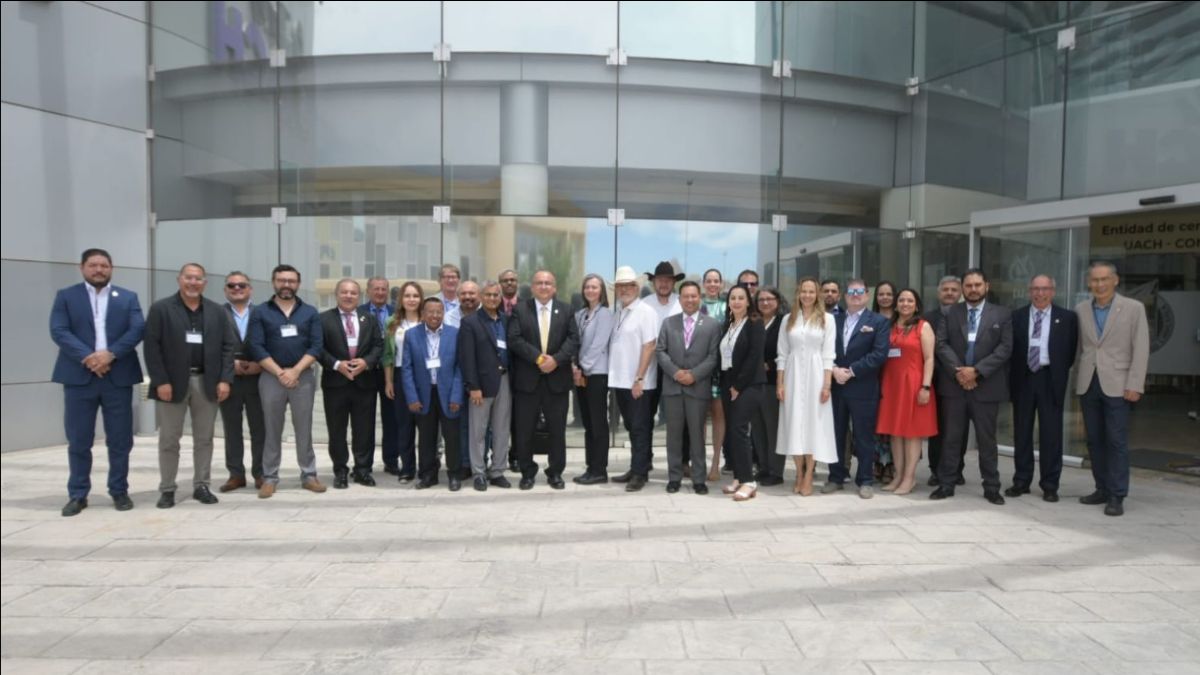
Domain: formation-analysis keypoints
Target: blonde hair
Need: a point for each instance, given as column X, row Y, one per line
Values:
column 814, row 316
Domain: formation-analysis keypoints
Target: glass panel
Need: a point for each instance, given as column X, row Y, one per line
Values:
column 213, row 109
column 581, row 27
column 725, row 32
column 1134, row 92
column 324, row 28
column 210, row 243
column 869, row 40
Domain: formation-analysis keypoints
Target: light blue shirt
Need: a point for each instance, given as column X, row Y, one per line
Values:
column 241, row 320
column 1101, row 315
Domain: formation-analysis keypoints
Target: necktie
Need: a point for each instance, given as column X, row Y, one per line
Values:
column 350, row 332
column 381, row 314
column 544, row 328
column 1035, row 347
column 972, row 328
column 687, row 332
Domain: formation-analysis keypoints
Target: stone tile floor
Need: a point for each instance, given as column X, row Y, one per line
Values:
column 593, row 580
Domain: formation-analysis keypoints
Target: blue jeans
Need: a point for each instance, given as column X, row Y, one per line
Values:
column 116, row 405
column 1106, row 419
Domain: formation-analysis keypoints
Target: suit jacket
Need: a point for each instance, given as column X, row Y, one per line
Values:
column 479, row 355
column 1121, row 355
column 865, row 354
column 524, row 346
column 748, row 357
column 701, row 358
column 771, row 349
column 168, row 355
column 74, row 331
column 993, row 347
column 414, row 375
column 336, row 348
column 1064, row 337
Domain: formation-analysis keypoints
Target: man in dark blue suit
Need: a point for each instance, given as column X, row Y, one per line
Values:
column 1045, row 338
column 862, row 347
column 97, row 327
column 434, row 391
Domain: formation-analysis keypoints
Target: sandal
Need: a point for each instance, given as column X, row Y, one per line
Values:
column 731, row 488
column 745, row 491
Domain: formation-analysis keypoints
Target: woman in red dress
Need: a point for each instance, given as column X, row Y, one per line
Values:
column 907, row 408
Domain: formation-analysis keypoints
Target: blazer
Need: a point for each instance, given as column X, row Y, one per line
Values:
column 1064, row 338
column 865, row 354
column 335, row 347
column 701, row 358
column 479, row 354
column 168, row 356
column 74, row 331
column 1121, row 355
column 414, row 375
column 771, row 349
column 993, row 347
column 747, row 369
column 524, row 346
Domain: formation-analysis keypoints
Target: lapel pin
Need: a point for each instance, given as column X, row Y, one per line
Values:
column 115, row 294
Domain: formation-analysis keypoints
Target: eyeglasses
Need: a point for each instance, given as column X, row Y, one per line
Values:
column 856, row 291
column 751, row 284
column 236, row 286
column 766, row 298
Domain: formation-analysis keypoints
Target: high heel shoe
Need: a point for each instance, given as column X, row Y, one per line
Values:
column 731, row 488
column 901, row 490
column 890, row 487
column 745, row 491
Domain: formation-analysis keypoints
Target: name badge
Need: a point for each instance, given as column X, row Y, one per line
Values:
column 894, row 353
column 971, row 337
column 194, row 337
column 352, row 341
column 501, row 344
column 433, row 363
column 288, row 330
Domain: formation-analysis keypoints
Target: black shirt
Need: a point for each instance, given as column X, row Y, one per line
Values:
column 196, row 351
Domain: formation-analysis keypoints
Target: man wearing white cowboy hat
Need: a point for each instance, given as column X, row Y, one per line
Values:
column 633, row 373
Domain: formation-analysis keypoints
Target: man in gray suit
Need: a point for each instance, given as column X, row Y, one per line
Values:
column 687, row 354
column 1114, row 354
column 974, row 343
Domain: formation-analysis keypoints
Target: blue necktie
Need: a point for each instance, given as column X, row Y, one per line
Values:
column 1035, row 350
column 972, row 327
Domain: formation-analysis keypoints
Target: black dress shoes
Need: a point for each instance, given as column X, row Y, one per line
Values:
column 994, row 498
column 590, row 478
column 526, row 484
column 166, row 500
column 1017, row 491
column 122, row 502
column 1094, row 499
column 481, row 484
column 635, row 483
column 960, row 480
column 341, row 480
column 455, row 483
column 392, row 470
column 203, row 495
column 513, row 466
column 933, row 481
column 425, row 483
column 1114, row 507
column 500, row 482
column 768, row 480
column 623, row 478
column 1050, row 496
column 73, row 507
column 700, row 489
column 364, row 478
column 941, row 493
column 556, row 482
column 672, row 487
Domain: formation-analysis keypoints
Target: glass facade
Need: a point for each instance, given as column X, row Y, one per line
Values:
column 518, row 117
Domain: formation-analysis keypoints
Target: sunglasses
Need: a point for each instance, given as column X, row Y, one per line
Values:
column 236, row 286
column 751, row 284
column 856, row 291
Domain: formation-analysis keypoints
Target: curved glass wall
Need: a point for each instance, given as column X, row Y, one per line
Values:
column 722, row 116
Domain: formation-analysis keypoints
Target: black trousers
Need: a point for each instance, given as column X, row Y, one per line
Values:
column 937, row 442
column 428, row 425
column 738, row 416
column 763, row 429
column 526, row 406
column 390, row 443
column 356, row 406
column 243, row 396
column 593, row 412
column 655, row 396
column 982, row 415
column 1036, row 400
column 637, row 414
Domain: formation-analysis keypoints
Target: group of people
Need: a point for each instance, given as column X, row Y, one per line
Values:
column 456, row 374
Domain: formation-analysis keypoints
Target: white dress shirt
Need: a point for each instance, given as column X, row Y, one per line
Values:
column 98, row 299
column 1043, row 341
column 636, row 325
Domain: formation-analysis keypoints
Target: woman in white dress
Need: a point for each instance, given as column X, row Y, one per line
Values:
column 805, row 364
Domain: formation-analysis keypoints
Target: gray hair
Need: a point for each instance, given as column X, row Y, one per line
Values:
column 378, row 278
column 347, row 280
column 949, row 278
column 1053, row 282
column 1103, row 263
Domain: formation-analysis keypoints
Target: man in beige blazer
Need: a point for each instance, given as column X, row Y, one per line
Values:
column 1114, row 351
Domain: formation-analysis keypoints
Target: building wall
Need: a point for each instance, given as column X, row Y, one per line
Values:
column 73, row 118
